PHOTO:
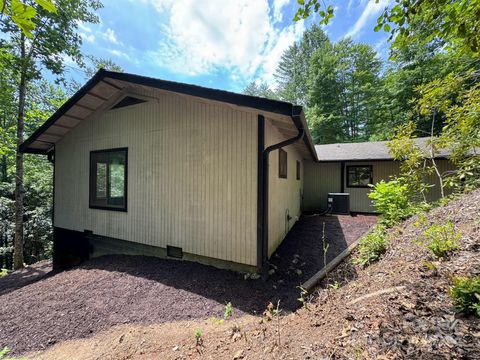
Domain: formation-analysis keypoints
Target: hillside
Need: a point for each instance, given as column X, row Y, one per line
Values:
column 396, row 308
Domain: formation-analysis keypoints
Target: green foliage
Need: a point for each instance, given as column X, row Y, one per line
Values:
column 335, row 285
column 454, row 22
column 54, row 37
column 22, row 14
column 198, row 337
column 441, row 240
column 42, row 100
column 303, row 297
column 372, row 246
column 228, row 311
column 3, row 272
column 271, row 311
column 457, row 96
column 391, row 200
column 338, row 83
column 261, row 90
column 465, row 293
column 5, row 351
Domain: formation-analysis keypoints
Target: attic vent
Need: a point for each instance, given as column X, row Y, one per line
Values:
column 175, row 252
column 127, row 101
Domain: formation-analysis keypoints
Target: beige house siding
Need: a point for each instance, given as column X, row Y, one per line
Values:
column 192, row 177
column 322, row 178
column 284, row 194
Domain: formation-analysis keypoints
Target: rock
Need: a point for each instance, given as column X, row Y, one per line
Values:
column 175, row 348
column 238, row 355
column 299, row 272
column 271, row 271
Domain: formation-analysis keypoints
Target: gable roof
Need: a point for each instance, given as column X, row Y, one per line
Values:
column 105, row 85
column 363, row 151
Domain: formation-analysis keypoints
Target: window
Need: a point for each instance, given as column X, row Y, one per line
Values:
column 282, row 164
column 359, row 176
column 108, row 179
column 298, row 170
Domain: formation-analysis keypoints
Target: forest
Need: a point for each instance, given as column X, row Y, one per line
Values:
column 427, row 85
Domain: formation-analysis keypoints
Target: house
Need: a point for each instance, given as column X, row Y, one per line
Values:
column 352, row 167
column 154, row 167
column 146, row 166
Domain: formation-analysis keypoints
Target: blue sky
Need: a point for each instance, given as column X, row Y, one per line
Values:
column 222, row 44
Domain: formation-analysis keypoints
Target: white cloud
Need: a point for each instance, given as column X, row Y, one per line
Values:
column 278, row 6
column 110, row 36
column 118, row 53
column 237, row 35
column 371, row 10
column 87, row 37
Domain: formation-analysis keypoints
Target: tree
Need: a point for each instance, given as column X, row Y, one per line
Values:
column 293, row 69
column 23, row 14
column 457, row 22
column 261, row 90
column 7, row 118
column 53, row 38
column 90, row 66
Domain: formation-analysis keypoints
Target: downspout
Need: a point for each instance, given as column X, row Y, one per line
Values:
column 51, row 159
column 264, row 192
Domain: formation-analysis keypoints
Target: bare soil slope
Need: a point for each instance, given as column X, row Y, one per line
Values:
column 397, row 308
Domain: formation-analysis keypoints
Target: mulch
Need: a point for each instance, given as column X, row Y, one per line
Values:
column 42, row 307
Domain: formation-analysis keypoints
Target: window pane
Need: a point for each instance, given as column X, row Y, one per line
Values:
column 282, row 163
column 117, row 181
column 101, row 181
column 359, row 176
column 108, row 169
column 363, row 176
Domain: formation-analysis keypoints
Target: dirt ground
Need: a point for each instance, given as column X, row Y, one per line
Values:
column 41, row 308
column 398, row 308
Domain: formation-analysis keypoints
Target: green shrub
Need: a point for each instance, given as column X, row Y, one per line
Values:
column 372, row 246
column 391, row 200
column 228, row 311
column 441, row 240
column 466, row 295
column 4, row 352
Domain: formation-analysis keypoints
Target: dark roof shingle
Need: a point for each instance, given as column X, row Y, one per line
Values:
column 373, row 150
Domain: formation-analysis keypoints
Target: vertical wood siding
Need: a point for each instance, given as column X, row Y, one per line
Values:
column 284, row 196
column 382, row 170
column 322, row 178
column 192, row 177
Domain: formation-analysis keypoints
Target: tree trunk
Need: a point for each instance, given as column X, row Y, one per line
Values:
column 19, row 190
column 3, row 169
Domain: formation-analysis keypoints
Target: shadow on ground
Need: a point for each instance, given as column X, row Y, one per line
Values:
column 118, row 289
column 28, row 275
